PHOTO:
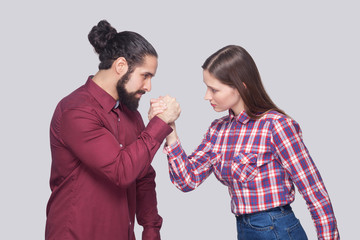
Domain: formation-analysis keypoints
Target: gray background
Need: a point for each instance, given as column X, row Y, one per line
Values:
column 307, row 53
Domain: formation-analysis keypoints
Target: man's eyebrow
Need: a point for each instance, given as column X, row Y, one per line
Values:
column 148, row 74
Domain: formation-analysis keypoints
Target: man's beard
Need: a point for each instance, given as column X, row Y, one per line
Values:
column 126, row 98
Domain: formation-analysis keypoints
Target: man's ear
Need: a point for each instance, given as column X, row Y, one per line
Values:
column 120, row 66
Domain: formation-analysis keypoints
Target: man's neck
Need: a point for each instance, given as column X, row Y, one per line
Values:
column 106, row 81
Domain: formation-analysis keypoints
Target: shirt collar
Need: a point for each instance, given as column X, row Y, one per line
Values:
column 242, row 117
column 106, row 101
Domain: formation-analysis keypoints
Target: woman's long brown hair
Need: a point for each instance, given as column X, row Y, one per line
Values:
column 233, row 66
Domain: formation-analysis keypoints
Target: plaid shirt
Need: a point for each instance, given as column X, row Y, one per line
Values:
column 259, row 161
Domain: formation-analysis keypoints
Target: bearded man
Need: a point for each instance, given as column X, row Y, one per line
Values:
column 101, row 173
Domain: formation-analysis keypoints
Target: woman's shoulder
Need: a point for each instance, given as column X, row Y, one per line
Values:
column 220, row 121
column 274, row 116
column 277, row 117
column 218, row 124
column 279, row 120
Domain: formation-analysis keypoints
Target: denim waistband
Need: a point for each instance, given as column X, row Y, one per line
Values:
column 276, row 209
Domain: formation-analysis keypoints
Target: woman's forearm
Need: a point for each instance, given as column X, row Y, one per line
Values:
column 172, row 137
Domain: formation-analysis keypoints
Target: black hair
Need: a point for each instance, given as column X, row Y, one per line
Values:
column 110, row 45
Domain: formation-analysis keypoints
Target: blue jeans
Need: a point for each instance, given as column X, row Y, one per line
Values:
column 277, row 223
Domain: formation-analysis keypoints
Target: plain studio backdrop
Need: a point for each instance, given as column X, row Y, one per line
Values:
column 307, row 53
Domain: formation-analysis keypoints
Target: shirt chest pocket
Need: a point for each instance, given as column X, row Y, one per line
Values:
column 245, row 166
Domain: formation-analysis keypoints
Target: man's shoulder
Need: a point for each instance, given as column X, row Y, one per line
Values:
column 80, row 98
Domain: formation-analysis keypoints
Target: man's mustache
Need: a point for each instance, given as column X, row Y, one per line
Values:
column 140, row 92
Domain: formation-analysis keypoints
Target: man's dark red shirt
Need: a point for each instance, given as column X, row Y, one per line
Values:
column 101, row 175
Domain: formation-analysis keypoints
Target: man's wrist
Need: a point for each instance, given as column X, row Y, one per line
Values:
column 158, row 128
column 163, row 118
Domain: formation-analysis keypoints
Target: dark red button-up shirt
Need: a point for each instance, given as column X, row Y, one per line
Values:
column 101, row 174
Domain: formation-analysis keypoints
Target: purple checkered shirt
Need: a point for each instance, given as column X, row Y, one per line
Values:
column 259, row 161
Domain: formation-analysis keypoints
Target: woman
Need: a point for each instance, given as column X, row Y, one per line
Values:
column 256, row 151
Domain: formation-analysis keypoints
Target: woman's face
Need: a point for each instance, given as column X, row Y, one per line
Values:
column 221, row 96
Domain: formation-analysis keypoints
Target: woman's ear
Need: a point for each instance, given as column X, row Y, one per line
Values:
column 120, row 66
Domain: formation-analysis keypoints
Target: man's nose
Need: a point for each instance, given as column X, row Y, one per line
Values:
column 147, row 85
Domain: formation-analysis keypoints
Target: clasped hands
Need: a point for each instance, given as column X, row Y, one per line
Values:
column 166, row 108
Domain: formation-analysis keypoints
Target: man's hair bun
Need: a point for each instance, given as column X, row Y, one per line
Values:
column 100, row 35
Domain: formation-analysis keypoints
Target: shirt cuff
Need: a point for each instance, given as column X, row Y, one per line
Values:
column 168, row 149
column 158, row 129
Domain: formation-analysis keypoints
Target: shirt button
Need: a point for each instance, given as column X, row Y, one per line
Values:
column 118, row 119
column 121, row 145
